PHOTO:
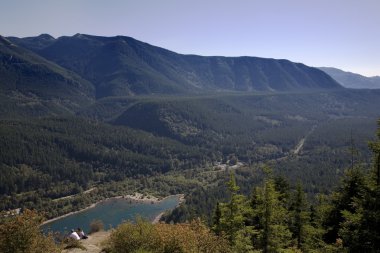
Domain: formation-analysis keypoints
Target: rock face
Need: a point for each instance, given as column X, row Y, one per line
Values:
column 121, row 65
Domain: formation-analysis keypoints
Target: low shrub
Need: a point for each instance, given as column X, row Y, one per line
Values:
column 21, row 233
column 165, row 238
column 70, row 243
column 96, row 226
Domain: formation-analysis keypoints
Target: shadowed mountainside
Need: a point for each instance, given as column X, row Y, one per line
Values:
column 36, row 86
column 352, row 80
column 121, row 65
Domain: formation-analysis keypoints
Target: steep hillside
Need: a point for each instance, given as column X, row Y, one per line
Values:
column 229, row 113
column 31, row 85
column 257, row 127
column 352, row 80
column 124, row 66
column 61, row 152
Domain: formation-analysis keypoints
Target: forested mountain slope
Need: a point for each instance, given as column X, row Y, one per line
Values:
column 31, row 85
column 229, row 118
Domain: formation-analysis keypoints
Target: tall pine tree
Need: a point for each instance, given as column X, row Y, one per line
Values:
column 300, row 216
column 273, row 233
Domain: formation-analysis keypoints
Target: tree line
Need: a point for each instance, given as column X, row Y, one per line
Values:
column 274, row 218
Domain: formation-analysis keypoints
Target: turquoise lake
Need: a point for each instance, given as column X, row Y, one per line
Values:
column 112, row 212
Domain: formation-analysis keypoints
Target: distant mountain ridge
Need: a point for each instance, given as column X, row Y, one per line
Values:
column 352, row 80
column 119, row 66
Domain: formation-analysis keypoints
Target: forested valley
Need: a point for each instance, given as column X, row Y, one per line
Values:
column 45, row 159
column 276, row 216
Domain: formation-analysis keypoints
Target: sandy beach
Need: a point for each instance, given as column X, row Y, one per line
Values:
column 142, row 198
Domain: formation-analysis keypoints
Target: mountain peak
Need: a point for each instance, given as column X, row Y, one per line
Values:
column 78, row 35
column 45, row 36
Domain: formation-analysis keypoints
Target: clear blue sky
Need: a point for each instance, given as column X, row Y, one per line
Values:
column 338, row 33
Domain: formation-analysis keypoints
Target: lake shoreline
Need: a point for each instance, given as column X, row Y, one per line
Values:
column 137, row 197
column 159, row 216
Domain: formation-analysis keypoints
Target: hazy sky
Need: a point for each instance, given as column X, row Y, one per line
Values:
column 339, row 33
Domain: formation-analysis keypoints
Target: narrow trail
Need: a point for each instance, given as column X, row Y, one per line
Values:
column 300, row 144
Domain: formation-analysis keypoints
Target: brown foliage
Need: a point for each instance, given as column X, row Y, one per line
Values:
column 166, row 238
column 96, row 226
column 70, row 243
column 21, row 233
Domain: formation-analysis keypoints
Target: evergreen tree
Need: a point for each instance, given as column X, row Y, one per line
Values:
column 232, row 218
column 216, row 219
column 357, row 206
column 375, row 147
column 369, row 212
column 351, row 189
column 300, row 216
column 282, row 186
column 273, row 233
column 360, row 228
column 313, row 230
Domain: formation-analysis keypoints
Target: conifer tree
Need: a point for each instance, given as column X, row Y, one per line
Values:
column 375, row 147
column 355, row 213
column 273, row 233
column 299, row 216
column 361, row 225
column 314, row 231
column 216, row 219
column 358, row 203
column 352, row 188
column 282, row 186
column 232, row 219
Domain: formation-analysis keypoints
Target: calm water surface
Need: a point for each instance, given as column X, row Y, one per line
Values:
column 112, row 212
